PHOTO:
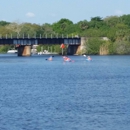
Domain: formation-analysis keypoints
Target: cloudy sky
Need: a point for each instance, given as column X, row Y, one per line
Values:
column 50, row 11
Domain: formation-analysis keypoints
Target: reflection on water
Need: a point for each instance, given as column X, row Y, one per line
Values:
column 36, row 94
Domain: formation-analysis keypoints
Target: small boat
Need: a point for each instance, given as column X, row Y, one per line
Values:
column 12, row 51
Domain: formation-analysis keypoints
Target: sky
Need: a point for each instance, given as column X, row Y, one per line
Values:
column 51, row 11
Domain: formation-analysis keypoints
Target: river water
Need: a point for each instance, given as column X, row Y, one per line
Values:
column 36, row 94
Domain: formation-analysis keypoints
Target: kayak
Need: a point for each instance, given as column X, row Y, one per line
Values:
column 88, row 60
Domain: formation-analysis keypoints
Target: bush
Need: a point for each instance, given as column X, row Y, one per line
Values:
column 121, row 47
column 93, row 45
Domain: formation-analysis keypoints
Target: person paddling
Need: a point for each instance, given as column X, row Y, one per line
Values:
column 50, row 58
column 89, row 58
column 65, row 58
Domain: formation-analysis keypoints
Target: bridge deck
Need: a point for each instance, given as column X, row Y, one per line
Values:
column 37, row 41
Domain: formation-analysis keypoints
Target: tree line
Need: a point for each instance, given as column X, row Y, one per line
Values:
column 115, row 28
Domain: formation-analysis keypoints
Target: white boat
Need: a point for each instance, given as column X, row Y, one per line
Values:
column 12, row 51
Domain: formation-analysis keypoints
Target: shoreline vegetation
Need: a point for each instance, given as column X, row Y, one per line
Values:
column 105, row 36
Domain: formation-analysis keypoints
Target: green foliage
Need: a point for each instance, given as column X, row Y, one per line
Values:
column 126, row 19
column 49, row 48
column 61, row 26
column 30, row 30
column 111, row 21
column 111, row 48
column 111, row 34
column 47, row 29
column 4, row 48
column 4, row 23
column 98, row 18
column 121, row 47
column 83, row 25
column 93, row 45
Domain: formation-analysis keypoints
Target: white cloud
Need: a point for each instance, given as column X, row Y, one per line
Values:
column 30, row 14
column 118, row 12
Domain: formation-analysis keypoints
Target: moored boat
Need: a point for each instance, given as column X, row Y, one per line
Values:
column 12, row 51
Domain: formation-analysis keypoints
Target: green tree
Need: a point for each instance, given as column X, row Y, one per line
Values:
column 47, row 29
column 93, row 45
column 61, row 26
column 112, row 21
column 4, row 23
column 121, row 47
column 15, row 27
column 125, row 19
column 83, row 25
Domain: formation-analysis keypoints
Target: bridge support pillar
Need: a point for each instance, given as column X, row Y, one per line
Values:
column 82, row 48
column 72, row 49
column 24, row 50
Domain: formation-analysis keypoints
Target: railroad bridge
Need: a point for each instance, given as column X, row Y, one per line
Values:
column 24, row 44
column 74, row 44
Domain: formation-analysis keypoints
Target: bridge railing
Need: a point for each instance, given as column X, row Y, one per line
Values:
column 11, row 36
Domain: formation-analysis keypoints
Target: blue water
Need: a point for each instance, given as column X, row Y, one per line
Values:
column 36, row 94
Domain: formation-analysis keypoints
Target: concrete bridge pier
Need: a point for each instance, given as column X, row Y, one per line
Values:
column 82, row 47
column 24, row 50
